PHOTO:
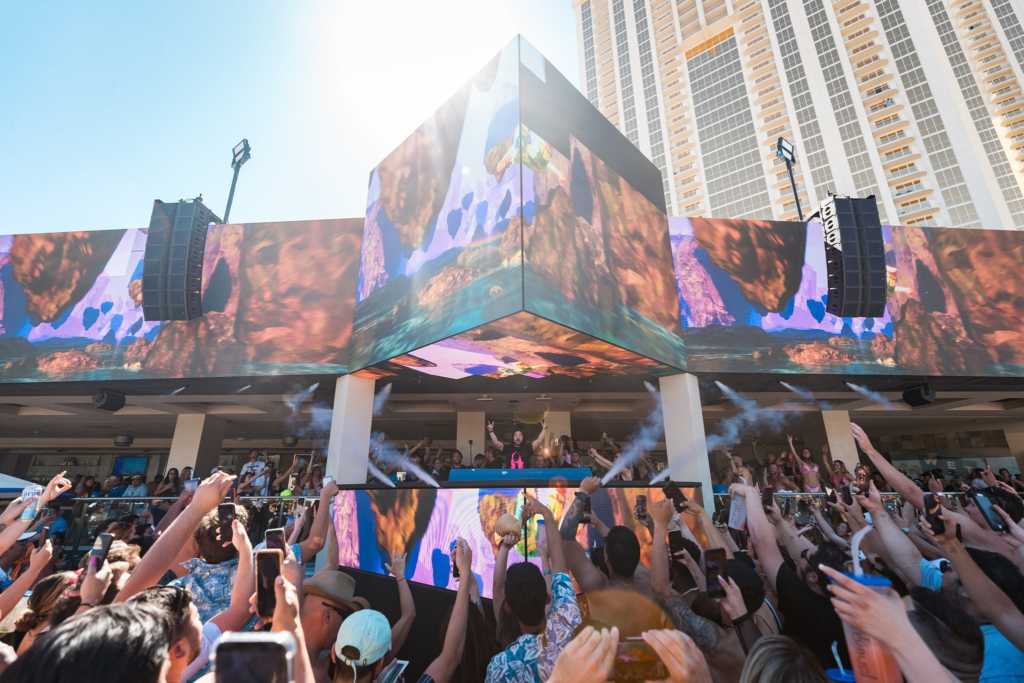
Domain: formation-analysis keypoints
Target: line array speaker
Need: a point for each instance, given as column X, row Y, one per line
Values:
column 854, row 257
column 172, row 276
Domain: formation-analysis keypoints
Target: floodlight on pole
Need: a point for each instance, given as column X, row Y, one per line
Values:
column 784, row 150
column 240, row 154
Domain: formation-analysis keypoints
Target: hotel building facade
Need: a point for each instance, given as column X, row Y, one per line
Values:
column 918, row 102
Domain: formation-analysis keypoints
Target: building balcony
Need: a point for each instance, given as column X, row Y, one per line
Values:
column 899, row 156
column 904, row 173
column 915, row 210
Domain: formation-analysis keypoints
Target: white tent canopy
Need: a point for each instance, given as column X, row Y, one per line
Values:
column 11, row 485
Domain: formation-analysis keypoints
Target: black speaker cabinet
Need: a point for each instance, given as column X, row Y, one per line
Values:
column 172, row 277
column 854, row 257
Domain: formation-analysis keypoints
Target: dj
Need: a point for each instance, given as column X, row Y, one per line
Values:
column 517, row 455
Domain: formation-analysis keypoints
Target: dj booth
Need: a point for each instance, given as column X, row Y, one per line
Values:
column 374, row 522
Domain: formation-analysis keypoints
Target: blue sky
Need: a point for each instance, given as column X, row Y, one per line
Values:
column 106, row 106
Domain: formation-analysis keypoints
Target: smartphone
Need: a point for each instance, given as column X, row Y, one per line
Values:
column 191, row 485
column 675, row 541
column 932, row 508
column 676, row 495
column 767, row 498
column 635, row 660
column 274, row 539
column 988, row 512
column 226, row 515
column 44, row 533
column 257, row 657
column 640, row 511
column 587, row 510
column 328, row 479
column 455, row 564
column 737, row 512
column 268, row 568
column 100, row 548
column 847, row 495
column 714, row 566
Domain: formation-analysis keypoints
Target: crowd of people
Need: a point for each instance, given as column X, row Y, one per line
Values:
column 516, row 452
column 929, row 588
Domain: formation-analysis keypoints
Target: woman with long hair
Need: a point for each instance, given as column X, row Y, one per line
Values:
column 46, row 595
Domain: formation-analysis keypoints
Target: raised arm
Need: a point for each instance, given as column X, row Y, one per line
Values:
column 55, row 487
column 442, row 668
column 494, row 439
column 400, row 631
column 826, row 528
column 762, row 533
column 987, row 597
column 556, row 552
column 314, row 542
column 500, row 568
column 237, row 613
column 899, row 552
column 539, row 441
column 38, row 561
column 162, row 553
column 661, row 513
column 896, row 479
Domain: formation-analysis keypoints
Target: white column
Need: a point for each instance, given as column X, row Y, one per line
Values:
column 1015, row 440
column 470, row 434
column 840, row 442
column 685, row 440
column 559, row 423
column 349, row 446
column 196, row 443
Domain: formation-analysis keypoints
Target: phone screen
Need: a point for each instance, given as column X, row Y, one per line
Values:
column 675, row 541
column 767, row 498
column 847, row 495
column 100, row 548
column 191, row 485
column 991, row 516
column 226, row 515
column 455, row 564
column 44, row 533
column 714, row 566
column 641, row 507
column 274, row 538
column 587, row 510
column 268, row 568
column 251, row 663
column 676, row 495
column 932, row 508
column 635, row 660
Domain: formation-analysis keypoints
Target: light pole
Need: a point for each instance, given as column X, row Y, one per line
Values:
column 239, row 155
column 785, row 151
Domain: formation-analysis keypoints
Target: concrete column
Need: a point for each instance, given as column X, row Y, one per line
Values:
column 840, row 442
column 1015, row 440
column 349, row 445
column 559, row 422
column 470, row 426
column 685, row 440
column 197, row 443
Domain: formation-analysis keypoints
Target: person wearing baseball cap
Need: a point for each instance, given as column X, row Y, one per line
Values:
column 361, row 648
column 328, row 598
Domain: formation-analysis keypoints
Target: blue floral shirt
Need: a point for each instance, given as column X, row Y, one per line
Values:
column 530, row 658
column 209, row 584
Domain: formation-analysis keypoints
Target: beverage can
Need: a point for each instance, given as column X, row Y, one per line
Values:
column 31, row 493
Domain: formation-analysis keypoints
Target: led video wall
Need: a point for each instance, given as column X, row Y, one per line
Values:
column 521, row 344
column 375, row 525
column 442, row 245
column 753, row 295
column 277, row 298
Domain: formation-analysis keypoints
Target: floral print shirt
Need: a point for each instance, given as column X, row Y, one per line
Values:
column 531, row 658
column 209, row 584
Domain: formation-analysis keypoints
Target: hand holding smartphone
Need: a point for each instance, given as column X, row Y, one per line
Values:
column 984, row 503
column 274, row 539
column 253, row 657
column 225, row 516
column 635, row 660
column 100, row 548
column 932, row 513
column 714, row 567
column 268, row 568
column 640, row 510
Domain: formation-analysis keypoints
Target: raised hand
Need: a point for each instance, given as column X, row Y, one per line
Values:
column 510, row 540
column 240, row 538
column 881, row 615
column 732, row 604
column 588, row 657
column 590, row 485
column 463, row 559
column 397, row 566
column 861, row 437
column 661, row 512
column 286, row 611
column 680, row 655
column 211, row 491
column 40, row 557
column 55, row 487
column 95, row 582
column 490, row 426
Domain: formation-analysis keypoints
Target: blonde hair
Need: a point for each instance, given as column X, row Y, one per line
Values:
column 780, row 659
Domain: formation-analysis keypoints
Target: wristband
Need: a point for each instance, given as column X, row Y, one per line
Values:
column 740, row 620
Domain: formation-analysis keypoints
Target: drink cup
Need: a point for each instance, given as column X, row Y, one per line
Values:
column 872, row 660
